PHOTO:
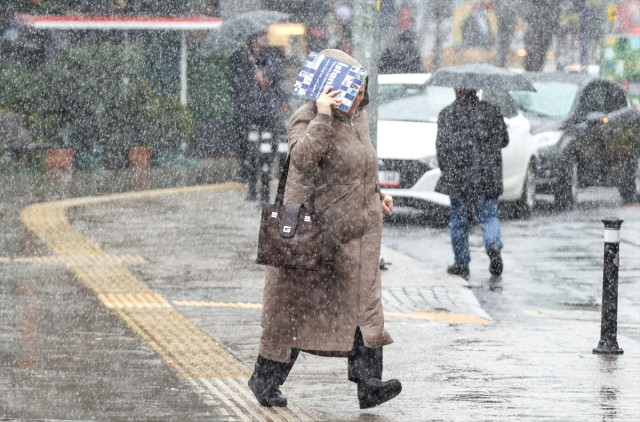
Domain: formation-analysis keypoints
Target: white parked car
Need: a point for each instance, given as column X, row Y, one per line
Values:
column 407, row 127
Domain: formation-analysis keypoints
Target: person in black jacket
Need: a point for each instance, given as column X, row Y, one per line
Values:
column 471, row 135
column 258, row 100
column 402, row 56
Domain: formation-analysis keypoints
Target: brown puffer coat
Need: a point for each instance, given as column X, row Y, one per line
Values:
column 319, row 311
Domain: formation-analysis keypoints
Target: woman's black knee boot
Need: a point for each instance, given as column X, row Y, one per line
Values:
column 372, row 392
column 365, row 368
column 268, row 375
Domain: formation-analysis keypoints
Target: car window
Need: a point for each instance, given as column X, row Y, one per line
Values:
column 551, row 99
column 503, row 100
column 390, row 92
column 615, row 98
column 423, row 107
column 592, row 100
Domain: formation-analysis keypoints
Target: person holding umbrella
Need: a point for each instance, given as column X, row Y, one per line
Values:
column 254, row 75
column 257, row 98
column 469, row 142
column 471, row 134
column 337, row 309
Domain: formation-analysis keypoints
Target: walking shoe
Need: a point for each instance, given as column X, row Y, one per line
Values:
column 495, row 267
column 458, row 270
column 373, row 391
column 267, row 393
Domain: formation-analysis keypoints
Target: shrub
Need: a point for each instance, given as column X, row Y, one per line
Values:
column 90, row 98
column 21, row 95
column 148, row 119
column 209, row 94
column 86, row 92
column 20, row 88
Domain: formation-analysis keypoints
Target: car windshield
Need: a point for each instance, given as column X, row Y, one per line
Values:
column 422, row 106
column 552, row 99
column 389, row 92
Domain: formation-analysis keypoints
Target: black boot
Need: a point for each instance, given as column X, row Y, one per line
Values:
column 267, row 377
column 267, row 391
column 365, row 368
column 495, row 267
column 373, row 391
column 458, row 270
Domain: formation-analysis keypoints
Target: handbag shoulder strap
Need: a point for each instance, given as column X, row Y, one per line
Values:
column 283, row 181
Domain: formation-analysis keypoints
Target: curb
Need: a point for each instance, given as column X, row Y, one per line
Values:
column 412, row 285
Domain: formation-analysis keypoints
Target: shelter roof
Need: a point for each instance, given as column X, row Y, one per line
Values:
column 118, row 22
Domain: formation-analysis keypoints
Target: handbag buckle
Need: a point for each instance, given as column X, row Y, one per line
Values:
column 289, row 219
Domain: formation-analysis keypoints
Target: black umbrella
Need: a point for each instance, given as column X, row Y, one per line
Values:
column 237, row 29
column 480, row 76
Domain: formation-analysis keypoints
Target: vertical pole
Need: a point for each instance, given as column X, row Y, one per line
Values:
column 609, row 324
column 439, row 9
column 583, row 36
column 366, row 49
column 437, row 53
column 183, row 68
column 266, row 162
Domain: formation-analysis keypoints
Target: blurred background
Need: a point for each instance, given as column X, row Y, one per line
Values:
column 102, row 90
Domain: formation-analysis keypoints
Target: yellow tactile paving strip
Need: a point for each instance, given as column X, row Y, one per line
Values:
column 55, row 260
column 214, row 373
column 444, row 317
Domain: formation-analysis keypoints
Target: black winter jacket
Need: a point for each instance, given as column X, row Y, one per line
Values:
column 471, row 134
column 247, row 97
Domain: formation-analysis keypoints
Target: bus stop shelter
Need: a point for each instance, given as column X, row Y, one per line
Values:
column 128, row 23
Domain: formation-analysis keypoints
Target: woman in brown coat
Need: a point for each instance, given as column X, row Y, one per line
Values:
column 336, row 311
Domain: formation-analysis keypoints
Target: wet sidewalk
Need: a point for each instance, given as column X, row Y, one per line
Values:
column 146, row 305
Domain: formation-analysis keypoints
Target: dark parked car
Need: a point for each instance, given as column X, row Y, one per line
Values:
column 587, row 133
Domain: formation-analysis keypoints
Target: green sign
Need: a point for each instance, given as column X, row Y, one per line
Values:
column 622, row 63
column 622, row 58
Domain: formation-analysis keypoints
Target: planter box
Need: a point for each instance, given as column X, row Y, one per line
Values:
column 139, row 157
column 60, row 159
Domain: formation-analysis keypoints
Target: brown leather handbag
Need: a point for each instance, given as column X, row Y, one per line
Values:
column 290, row 234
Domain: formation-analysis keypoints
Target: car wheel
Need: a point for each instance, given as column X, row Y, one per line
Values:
column 630, row 187
column 566, row 192
column 528, row 199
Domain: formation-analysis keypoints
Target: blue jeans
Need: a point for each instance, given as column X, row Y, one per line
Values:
column 486, row 209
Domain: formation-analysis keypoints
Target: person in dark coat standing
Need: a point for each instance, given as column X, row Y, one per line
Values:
column 402, row 56
column 471, row 135
column 336, row 310
column 258, row 100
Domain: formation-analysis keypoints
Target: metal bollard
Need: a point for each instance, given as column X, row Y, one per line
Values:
column 609, row 324
column 266, row 161
column 251, row 162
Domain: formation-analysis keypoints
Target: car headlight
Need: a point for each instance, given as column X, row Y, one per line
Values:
column 547, row 139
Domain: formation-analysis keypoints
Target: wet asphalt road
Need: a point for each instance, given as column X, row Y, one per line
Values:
column 64, row 355
column 553, row 260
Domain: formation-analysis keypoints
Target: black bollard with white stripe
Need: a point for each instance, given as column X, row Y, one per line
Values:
column 267, row 154
column 609, row 324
